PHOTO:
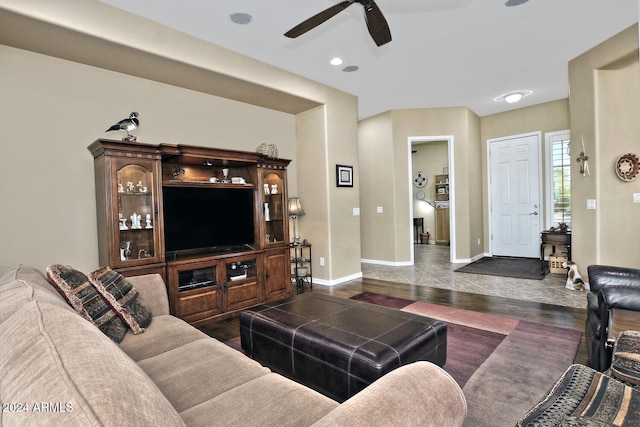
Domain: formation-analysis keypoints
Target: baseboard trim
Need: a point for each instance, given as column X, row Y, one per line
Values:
column 337, row 281
column 387, row 263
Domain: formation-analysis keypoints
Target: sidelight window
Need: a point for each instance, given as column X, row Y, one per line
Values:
column 558, row 178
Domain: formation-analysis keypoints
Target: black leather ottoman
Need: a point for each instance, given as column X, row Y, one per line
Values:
column 338, row 346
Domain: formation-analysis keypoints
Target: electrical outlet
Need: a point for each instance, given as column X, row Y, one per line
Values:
column 321, row 261
column 478, row 240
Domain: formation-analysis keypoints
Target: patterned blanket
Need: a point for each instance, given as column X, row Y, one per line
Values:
column 585, row 397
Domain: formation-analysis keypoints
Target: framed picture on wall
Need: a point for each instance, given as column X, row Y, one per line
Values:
column 344, row 176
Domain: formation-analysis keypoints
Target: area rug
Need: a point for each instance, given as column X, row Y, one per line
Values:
column 519, row 268
column 504, row 366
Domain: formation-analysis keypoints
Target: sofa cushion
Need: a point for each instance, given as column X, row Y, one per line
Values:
column 76, row 288
column 20, row 286
column 163, row 334
column 28, row 274
column 153, row 292
column 49, row 354
column 122, row 296
column 199, row 371
column 270, row 400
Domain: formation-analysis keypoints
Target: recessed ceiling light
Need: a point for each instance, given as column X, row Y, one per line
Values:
column 513, row 96
column 350, row 68
column 336, row 61
column 241, row 18
column 515, row 2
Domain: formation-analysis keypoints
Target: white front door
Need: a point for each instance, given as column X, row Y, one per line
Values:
column 515, row 211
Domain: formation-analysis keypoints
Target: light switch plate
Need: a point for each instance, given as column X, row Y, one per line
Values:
column 356, row 211
column 636, row 197
column 591, row 203
column 379, row 209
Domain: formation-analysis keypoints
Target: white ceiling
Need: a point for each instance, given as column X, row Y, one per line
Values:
column 444, row 53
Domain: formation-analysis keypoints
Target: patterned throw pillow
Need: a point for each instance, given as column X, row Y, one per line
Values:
column 122, row 297
column 77, row 290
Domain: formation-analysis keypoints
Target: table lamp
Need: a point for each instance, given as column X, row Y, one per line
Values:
column 295, row 210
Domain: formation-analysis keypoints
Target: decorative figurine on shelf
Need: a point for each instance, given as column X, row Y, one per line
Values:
column 225, row 173
column 177, row 171
column 123, row 222
column 267, row 214
column 135, row 221
column 274, row 188
column 127, row 125
column 140, row 187
column 148, row 219
column 266, row 190
column 125, row 251
column 120, row 188
column 129, row 187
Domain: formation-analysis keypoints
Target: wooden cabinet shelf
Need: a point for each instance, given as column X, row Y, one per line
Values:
column 441, row 188
column 204, row 282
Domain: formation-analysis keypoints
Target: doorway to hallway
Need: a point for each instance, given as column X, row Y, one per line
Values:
column 432, row 190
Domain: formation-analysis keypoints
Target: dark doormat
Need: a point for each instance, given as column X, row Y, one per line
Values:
column 519, row 268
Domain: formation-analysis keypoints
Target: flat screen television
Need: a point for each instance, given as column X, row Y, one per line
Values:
column 207, row 219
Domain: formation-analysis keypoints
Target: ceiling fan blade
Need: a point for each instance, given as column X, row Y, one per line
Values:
column 318, row 19
column 377, row 24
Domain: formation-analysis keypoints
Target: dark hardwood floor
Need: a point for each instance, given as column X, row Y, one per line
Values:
column 564, row 317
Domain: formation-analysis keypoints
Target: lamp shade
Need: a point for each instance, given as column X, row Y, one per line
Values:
column 295, row 207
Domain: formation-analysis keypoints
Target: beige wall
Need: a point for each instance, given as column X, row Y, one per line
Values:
column 377, row 169
column 386, row 180
column 185, row 89
column 384, row 237
column 48, row 210
column 605, row 88
column 328, row 222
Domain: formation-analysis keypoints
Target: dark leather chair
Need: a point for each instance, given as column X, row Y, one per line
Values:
column 611, row 287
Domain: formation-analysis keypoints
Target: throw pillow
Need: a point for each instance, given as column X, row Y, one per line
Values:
column 123, row 297
column 77, row 290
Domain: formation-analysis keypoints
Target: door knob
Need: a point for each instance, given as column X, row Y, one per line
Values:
column 534, row 213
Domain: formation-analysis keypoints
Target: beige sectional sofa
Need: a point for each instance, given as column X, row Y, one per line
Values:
column 57, row 368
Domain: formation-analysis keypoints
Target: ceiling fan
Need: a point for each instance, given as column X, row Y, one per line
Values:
column 376, row 23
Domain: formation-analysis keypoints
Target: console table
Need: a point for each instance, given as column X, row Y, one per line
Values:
column 553, row 239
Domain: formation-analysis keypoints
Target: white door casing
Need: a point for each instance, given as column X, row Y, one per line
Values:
column 515, row 211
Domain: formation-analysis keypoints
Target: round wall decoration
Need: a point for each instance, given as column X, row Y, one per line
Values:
column 420, row 179
column 420, row 195
column 627, row 167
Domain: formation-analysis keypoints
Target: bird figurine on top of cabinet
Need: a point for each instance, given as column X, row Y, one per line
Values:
column 127, row 125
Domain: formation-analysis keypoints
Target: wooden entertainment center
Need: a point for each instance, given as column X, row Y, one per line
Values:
column 226, row 251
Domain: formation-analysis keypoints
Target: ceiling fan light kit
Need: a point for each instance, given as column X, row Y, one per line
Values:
column 375, row 20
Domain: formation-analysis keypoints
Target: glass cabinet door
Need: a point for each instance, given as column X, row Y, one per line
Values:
column 136, row 214
column 274, row 207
